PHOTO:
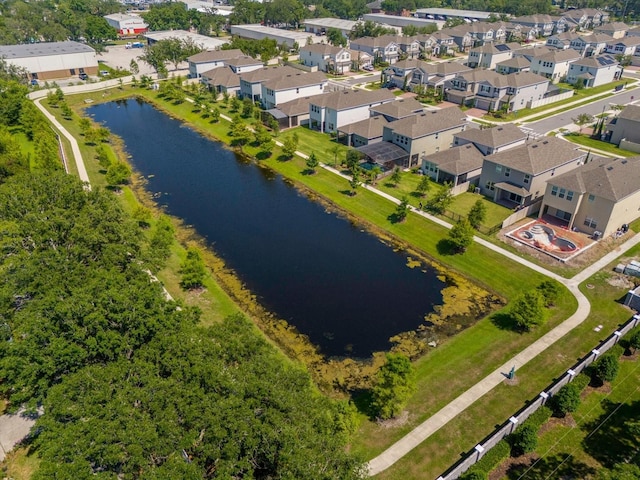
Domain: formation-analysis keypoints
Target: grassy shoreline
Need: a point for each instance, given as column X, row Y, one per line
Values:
column 485, row 346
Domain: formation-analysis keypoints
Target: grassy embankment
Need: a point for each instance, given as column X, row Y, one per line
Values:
column 462, row 359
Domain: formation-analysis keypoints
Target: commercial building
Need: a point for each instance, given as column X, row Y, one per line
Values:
column 127, row 25
column 50, row 61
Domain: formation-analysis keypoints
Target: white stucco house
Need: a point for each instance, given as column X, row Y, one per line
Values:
column 594, row 71
column 326, row 57
column 208, row 60
column 291, row 86
column 330, row 111
column 555, row 64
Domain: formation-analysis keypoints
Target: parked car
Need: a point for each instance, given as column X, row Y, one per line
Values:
column 83, row 76
column 34, row 82
column 104, row 73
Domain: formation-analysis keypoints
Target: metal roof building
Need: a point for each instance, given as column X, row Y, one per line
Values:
column 52, row 60
column 445, row 13
column 318, row 25
column 207, row 43
column 258, row 32
column 398, row 21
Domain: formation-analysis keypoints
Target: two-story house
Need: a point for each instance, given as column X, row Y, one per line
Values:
column 331, row 111
column 561, row 41
column 210, row 59
column 589, row 45
column 555, row 64
column 401, row 108
column 285, row 88
column 409, row 45
column 594, row 71
column 425, row 133
column 326, row 57
column 625, row 126
column 243, row 64
column 489, row 90
column 462, row 39
column 360, row 60
column 613, row 29
column 599, row 196
column 520, row 33
column 626, row 46
column 222, row 80
column 518, row 176
column 586, row 18
column 460, row 166
column 400, row 73
column 381, row 48
column 546, row 25
column 489, row 55
column 444, row 43
column 251, row 82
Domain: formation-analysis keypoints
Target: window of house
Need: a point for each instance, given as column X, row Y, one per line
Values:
column 554, row 191
column 507, row 172
column 562, row 193
column 591, row 198
column 590, row 222
column 527, row 178
column 569, row 195
column 498, row 168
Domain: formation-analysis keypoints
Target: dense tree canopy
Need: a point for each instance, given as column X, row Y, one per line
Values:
column 131, row 387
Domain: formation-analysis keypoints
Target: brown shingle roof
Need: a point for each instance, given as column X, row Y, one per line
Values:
column 215, row 55
column 369, row 128
column 345, row 99
column 457, row 160
column 400, row 108
column 495, row 137
column 559, row 56
column 242, row 61
column 294, row 80
column 268, row 73
column 630, row 112
column 322, row 48
column 538, row 156
column 429, row 122
column 222, row 76
column 612, row 180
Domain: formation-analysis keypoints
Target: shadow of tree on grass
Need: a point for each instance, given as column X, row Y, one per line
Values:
column 562, row 465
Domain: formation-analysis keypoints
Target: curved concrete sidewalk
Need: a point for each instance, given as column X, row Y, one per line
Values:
column 75, row 148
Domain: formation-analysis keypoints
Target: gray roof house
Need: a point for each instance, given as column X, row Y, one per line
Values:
column 222, row 80
column 625, row 126
column 401, row 108
column 364, row 132
column 599, row 196
column 594, row 71
column 513, row 65
column 208, row 60
column 488, row 55
column 492, row 140
column 459, row 165
column 518, row 176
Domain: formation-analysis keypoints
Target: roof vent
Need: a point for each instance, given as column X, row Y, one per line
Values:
column 609, row 168
column 545, row 142
column 624, row 162
column 534, row 146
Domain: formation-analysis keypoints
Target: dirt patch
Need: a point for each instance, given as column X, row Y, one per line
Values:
column 619, row 280
column 566, row 421
column 395, row 422
column 512, row 462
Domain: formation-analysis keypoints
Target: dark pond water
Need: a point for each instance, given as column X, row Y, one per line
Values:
column 343, row 288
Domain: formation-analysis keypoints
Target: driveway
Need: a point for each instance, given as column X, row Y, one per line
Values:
column 13, row 428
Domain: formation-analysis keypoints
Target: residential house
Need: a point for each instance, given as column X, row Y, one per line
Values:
column 401, row 108
column 561, row 41
column 423, row 74
column 326, row 57
column 382, row 49
column 243, row 64
column 409, row 46
column 589, row 45
column 613, row 29
column 400, row 73
column 330, row 111
column 435, row 44
column 208, row 60
column 545, row 24
column 426, row 133
column 513, row 65
column 555, row 64
column 586, row 18
column 625, row 126
column 518, row 175
column 594, row 71
column 290, row 114
column 599, row 196
column 290, row 86
column 575, row 19
column 492, row 140
column 222, row 80
column 251, row 82
column 627, row 46
column 461, row 38
column 520, row 33
column 488, row 55
column 634, row 31
column 489, row 90
column 532, row 52
column 457, row 165
column 360, row 60
column 364, row 132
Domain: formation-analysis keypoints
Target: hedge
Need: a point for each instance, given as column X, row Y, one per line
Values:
column 493, row 458
column 539, row 417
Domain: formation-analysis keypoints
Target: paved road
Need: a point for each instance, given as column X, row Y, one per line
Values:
column 13, row 428
column 564, row 118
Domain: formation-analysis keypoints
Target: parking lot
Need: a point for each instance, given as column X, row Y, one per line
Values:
column 119, row 57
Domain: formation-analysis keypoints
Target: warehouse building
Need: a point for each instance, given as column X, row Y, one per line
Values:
column 258, row 32
column 50, row 61
column 127, row 25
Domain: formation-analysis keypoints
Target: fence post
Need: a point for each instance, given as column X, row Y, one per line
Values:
column 514, row 422
column 618, row 335
column 545, row 397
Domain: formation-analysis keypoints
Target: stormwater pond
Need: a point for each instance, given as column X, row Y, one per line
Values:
column 340, row 286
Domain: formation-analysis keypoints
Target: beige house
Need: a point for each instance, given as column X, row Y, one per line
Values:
column 626, row 126
column 425, row 133
column 613, row 29
column 599, row 196
column 326, row 57
column 518, row 176
column 461, row 166
column 492, row 140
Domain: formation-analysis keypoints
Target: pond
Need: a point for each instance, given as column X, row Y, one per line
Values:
column 340, row 286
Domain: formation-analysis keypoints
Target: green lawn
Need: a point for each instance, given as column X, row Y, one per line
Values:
column 495, row 213
column 587, row 141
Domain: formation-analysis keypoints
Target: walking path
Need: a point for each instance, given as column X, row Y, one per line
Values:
column 75, row 148
column 454, row 408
